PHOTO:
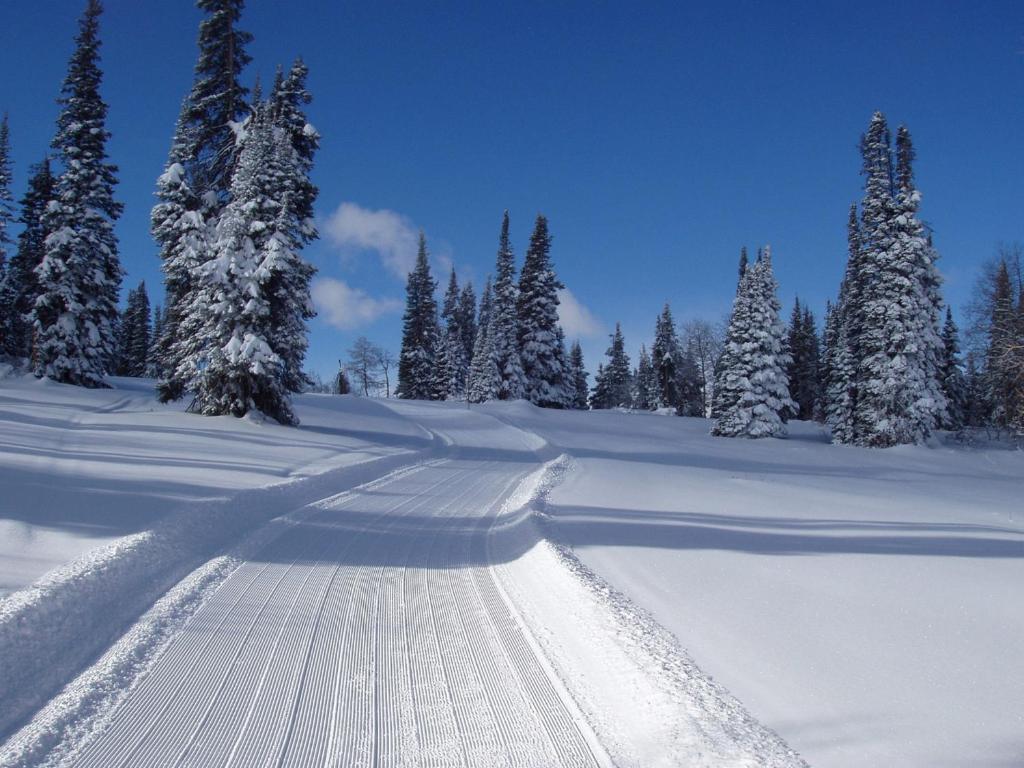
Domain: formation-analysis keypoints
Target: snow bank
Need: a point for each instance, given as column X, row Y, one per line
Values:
column 645, row 699
column 861, row 603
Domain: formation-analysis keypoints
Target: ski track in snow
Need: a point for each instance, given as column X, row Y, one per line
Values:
column 371, row 633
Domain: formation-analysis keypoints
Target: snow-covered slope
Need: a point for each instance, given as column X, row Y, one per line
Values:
column 393, row 595
column 865, row 604
column 80, row 468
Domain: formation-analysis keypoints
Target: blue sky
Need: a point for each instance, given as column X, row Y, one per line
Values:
column 657, row 139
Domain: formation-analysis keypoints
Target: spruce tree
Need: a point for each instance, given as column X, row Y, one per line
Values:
column 484, row 379
column 954, row 384
column 467, row 319
column 134, row 334
column 418, row 355
column 743, row 264
column 11, row 334
column 899, row 398
column 752, row 391
column 504, row 323
column 803, row 370
column 80, row 275
column 245, row 322
column 22, row 283
column 665, row 358
column 645, row 386
column 194, row 186
column 1003, row 386
column 577, row 377
column 153, row 369
column 842, row 336
column 288, row 100
column 452, row 367
column 537, row 313
column 599, row 396
column 615, row 378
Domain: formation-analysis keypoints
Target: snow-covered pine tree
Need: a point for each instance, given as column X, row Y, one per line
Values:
column 954, row 384
column 616, row 377
column 21, row 270
column 691, row 402
column 452, row 369
column 899, row 396
column 665, row 359
column 467, row 319
column 504, row 322
column 537, row 313
column 577, row 377
column 484, row 380
column 645, row 386
column 841, row 340
column 10, row 327
column 194, row 186
column 599, row 397
column 183, row 226
column 418, row 355
column 288, row 99
column 743, row 265
column 80, row 275
column 134, row 334
column 156, row 332
column 1004, row 375
column 753, row 385
column 246, row 319
column 803, row 370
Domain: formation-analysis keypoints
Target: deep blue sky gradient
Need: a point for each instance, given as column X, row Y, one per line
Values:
column 657, row 139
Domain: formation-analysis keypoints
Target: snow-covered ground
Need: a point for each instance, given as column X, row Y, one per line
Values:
column 863, row 605
column 867, row 605
column 80, row 468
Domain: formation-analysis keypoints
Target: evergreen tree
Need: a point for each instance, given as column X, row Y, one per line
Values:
column 842, row 336
column 613, row 383
column 484, row 378
column 467, row 319
column 452, row 368
column 688, row 385
column 645, row 396
column 665, row 358
column 599, row 397
column 245, row 323
column 803, row 370
column 22, row 285
column 153, row 369
column 183, row 227
column 11, row 334
column 954, row 384
column 577, row 377
column 743, row 264
column 537, row 312
column 899, row 397
column 976, row 396
column 504, row 323
column 194, row 186
column 80, row 275
column 751, row 392
column 134, row 334
column 288, row 100
column 419, row 332
column 1004, row 386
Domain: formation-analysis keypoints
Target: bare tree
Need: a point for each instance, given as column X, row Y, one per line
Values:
column 386, row 361
column 363, row 362
column 704, row 342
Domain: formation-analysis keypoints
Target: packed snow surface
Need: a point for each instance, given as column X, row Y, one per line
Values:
column 430, row 584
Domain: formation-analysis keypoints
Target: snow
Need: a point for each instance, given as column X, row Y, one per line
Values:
column 488, row 582
column 864, row 604
column 81, row 468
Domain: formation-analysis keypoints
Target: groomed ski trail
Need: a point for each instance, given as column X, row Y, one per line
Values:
column 371, row 633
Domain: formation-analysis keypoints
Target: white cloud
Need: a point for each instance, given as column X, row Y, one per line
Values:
column 577, row 321
column 345, row 307
column 390, row 234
